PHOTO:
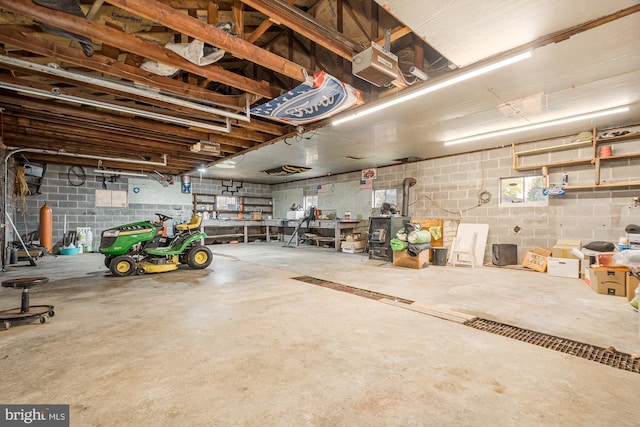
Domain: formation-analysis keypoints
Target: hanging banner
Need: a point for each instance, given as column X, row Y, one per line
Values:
column 317, row 98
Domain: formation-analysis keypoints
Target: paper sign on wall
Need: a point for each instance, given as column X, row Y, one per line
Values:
column 371, row 173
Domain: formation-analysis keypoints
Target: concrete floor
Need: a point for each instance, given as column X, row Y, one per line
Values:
column 243, row 344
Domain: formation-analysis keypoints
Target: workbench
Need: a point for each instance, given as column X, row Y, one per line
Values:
column 213, row 227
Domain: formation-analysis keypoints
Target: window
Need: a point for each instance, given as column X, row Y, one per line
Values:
column 382, row 196
column 310, row 201
column 226, row 203
column 522, row 191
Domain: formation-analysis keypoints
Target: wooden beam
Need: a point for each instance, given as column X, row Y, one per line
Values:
column 396, row 33
column 147, row 104
column 212, row 12
column 129, row 43
column 355, row 19
column 103, row 141
column 302, row 23
column 263, row 27
column 157, row 12
column 108, row 66
column 340, row 28
column 418, row 52
column 375, row 16
column 103, row 120
column 238, row 17
column 16, row 37
column 188, row 4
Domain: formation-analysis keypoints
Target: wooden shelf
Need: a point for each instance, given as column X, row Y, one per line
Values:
column 554, row 148
column 620, row 156
column 246, row 204
column 554, row 164
column 632, row 135
column 593, row 159
column 604, row 185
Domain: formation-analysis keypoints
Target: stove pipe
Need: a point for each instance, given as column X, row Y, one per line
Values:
column 406, row 183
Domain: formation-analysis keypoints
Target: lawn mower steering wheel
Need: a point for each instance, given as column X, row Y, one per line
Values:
column 163, row 217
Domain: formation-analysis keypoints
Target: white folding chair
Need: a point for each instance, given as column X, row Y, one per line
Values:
column 464, row 245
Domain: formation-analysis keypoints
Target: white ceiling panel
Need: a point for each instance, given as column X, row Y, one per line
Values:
column 466, row 31
column 595, row 69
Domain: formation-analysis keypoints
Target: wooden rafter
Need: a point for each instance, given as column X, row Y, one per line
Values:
column 134, row 44
column 157, row 12
column 302, row 23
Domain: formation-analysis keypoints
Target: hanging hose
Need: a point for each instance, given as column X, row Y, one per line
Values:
column 20, row 189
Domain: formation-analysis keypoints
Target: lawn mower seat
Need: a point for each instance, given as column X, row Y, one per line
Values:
column 193, row 224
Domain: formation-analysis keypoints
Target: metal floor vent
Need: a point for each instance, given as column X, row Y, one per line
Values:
column 350, row 289
column 605, row 356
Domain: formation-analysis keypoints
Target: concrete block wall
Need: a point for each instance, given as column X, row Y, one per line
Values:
column 78, row 204
column 448, row 188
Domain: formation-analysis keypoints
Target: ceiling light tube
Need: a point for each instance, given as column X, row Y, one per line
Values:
column 540, row 125
column 147, row 93
column 57, row 94
column 465, row 75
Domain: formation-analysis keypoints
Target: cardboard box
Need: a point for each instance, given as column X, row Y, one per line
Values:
column 353, row 237
column 256, row 216
column 353, row 247
column 632, row 284
column 536, row 259
column 403, row 259
column 563, row 248
column 609, row 280
column 563, row 267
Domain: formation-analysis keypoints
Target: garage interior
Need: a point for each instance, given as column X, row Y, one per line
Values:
column 303, row 136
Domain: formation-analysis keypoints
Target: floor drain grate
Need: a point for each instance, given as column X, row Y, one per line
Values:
column 350, row 289
column 605, row 356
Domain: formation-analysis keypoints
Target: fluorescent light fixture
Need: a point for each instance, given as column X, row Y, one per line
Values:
column 540, row 125
column 56, row 93
column 434, row 87
column 107, row 172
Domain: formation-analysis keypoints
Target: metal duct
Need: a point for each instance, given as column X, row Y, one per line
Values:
column 406, row 183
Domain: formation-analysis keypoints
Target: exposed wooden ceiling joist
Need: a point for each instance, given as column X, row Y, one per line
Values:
column 304, row 24
column 129, row 43
column 156, row 12
column 21, row 38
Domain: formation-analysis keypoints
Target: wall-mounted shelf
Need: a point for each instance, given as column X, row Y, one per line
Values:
column 625, row 143
column 246, row 205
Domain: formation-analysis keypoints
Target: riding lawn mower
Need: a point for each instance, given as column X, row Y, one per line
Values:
column 143, row 247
